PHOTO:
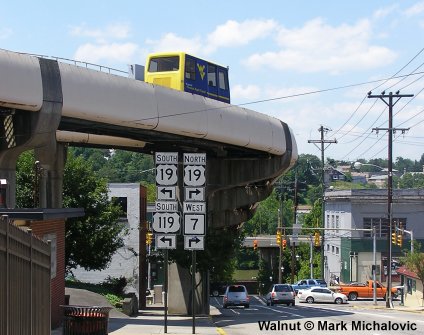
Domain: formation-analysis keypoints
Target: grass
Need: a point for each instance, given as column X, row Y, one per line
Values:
column 105, row 289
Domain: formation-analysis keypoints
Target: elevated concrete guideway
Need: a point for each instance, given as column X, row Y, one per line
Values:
column 46, row 104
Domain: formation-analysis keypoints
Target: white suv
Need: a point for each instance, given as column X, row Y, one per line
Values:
column 236, row 295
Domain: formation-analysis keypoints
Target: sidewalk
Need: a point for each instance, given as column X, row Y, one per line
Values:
column 152, row 321
column 148, row 322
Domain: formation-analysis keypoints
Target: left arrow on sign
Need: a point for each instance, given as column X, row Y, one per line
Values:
column 166, row 240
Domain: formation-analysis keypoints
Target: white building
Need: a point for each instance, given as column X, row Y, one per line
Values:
column 125, row 261
column 348, row 254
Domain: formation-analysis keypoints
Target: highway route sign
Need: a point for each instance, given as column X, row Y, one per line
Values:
column 194, row 175
column 194, row 224
column 166, row 206
column 166, row 193
column 166, row 223
column 166, row 174
column 194, row 242
column 194, row 207
column 166, row 241
column 194, row 193
column 166, row 158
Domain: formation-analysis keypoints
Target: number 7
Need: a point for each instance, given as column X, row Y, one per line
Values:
column 195, row 222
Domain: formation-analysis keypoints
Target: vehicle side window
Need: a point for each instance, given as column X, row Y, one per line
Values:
column 223, row 80
column 303, row 282
column 190, row 69
column 211, row 75
column 161, row 64
column 378, row 285
column 316, row 290
column 311, row 282
column 326, row 291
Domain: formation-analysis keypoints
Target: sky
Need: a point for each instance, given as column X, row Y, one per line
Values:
column 307, row 63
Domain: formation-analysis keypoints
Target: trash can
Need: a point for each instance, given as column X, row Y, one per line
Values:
column 85, row 320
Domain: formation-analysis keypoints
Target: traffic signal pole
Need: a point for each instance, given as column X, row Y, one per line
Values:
column 279, row 249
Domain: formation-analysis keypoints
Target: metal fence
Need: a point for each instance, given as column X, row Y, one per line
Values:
column 24, row 282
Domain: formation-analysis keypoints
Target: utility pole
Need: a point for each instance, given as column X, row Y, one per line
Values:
column 390, row 103
column 322, row 130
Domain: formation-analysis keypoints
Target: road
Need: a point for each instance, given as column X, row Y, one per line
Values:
column 359, row 318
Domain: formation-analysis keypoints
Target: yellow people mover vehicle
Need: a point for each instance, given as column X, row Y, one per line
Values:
column 184, row 72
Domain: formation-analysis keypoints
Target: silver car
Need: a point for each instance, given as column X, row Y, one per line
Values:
column 236, row 295
column 280, row 294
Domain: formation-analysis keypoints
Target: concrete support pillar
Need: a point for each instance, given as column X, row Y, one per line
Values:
column 179, row 291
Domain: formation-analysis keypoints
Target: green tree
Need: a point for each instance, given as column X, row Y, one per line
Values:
column 92, row 240
column 414, row 261
column 410, row 180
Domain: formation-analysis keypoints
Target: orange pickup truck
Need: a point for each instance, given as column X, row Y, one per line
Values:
column 365, row 290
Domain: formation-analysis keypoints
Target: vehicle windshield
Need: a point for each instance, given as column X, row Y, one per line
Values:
column 283, row 288
column 236, row 289
column 162, row 64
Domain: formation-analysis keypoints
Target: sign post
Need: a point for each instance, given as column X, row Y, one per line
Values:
column 166, row 220
column 194, row 212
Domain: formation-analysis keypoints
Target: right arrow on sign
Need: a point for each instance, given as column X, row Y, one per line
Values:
column 194, row 240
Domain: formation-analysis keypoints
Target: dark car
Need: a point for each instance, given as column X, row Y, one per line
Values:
column 280, row 294
column 236, row 295
column 217, row 289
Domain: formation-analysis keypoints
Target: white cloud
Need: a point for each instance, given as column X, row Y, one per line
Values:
column 318, row 46
column 233, row 33
column 229, row 34
column 5, row 33
column 383, row 12
column 94, row 53
column 416, row 9
column 173, row 42
column 249, row 92
column 113, row 31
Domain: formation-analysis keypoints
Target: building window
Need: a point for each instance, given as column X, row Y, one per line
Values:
column 332, row 249
column 337, row 250
column 337, row 221
column 332, row 221
column 381, row 225
column 123, row 203
column 328, row 221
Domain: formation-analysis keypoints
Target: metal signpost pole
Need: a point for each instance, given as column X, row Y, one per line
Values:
column 311, row 259
column 374, row 267
column 193, row 290
column 165, row 296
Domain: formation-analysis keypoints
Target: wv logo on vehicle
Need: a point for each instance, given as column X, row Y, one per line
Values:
column 201, row 70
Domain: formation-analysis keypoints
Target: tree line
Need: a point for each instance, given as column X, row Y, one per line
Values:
column 91, row 241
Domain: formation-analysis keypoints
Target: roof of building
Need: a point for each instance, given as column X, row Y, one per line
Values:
column 403, row 270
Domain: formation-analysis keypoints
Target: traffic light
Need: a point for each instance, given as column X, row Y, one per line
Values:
column 255, row 244
column 399, row 240
column 149, row 238
column 317, row 241
column 394, row 238
column 278, row 237
column 284, row 244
